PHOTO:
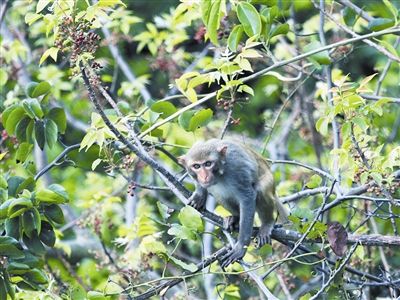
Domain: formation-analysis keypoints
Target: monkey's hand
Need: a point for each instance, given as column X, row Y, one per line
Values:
column 231, row 223
column 235, row 254
column 264, row 235
column 197, row 201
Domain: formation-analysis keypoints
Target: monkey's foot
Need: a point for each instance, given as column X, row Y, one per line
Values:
column 231, row 223
column 264, row 235
column 197, row 202
column 232, row 256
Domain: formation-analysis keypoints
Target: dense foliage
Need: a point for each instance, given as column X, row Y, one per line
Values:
column 99, row 98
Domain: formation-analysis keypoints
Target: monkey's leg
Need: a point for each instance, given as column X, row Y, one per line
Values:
column 265, row 210
column 247, row 203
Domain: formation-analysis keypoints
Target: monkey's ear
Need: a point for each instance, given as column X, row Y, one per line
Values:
column 222, row 150
column 182, row 160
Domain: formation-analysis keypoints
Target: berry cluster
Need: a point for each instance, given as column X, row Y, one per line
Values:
column 131, row 189
column 77, row 38
column 227, row 104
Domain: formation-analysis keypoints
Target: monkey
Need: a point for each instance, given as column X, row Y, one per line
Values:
column 241, row 181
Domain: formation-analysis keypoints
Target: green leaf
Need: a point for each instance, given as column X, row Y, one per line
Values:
column 23, row 151
column 378, row 24
column 18, row 207
column 13, row 118
column 41, row 89
column 95, row 295
column 321, row 58
column 54, row 213
column 55, row 194
column 34, row 244
column 20, row 129
column 37, row 276
column 4, row 208
column 190, row 218
column 3, row 77
column 40, row 134
column 360, row 122
column 184, row 119
column 42, row 5
column 50, row 132
column 57, row 114
column 182, row 232
column 31, row 18
column 234, row 37
column 32, row 108
column 30, row 87
column 392, row 9
column 249, row 18
column 10, row 247
column 322, row 125
column 110, row 3
column 29, row 223
column 52, row 52
column 212, row 12
column 314, row 181
column 12, row 227
column 201, row 118
column 47, row 235
column 164, row 108
column 191, row 267
column 280, row 29
column 349, row 16
column 28, row 183
column 13, row 184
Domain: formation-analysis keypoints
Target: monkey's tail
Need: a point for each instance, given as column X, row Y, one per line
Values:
column 283, row 212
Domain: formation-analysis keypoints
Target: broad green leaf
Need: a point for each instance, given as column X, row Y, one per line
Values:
column 96, row 163
column 4, row 208
column 378, row 24
column 110, row 3
column 392, row 9
column 34, row 244
column 12, row 227
column 20, row 129
column 184, row 119
column 201, row 118
column 249, row 18
column 212, row 12
column 18, row 207
column 158, row 132
column 31, row 18
column 40, row 133
column 23, row 151
column 54, row 213
column 10, row 247
column 321, row 58
column 314, row 181
column 360, row 122
column 322, row 125
column 191, row 267
column 50, row 132
column 41, row 4
column 28, row 223
column 164, row 108
column 41, row 89
column 47, row 235
column 30, row 87
column 6, row 113
column 32, row 108
column 95, row 295
column 3, row 77
column 349, row 16
column 279, row 29
column 52, row 52
column 190, row 218
column 28, row 184
column 13, row 118
column 13, row 184
column 234, row 37
column 55, row 194
column 37, row 276
column 182, row 232
column 57, row 114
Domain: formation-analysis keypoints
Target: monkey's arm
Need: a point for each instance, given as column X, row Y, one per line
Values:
column 247, row 207
column 198, row 198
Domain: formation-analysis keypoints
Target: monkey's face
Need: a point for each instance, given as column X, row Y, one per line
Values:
column 205, row 172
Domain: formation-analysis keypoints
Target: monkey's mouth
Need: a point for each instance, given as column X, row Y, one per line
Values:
column 207, row 184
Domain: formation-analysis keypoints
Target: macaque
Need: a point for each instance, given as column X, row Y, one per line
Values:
column 241, row 181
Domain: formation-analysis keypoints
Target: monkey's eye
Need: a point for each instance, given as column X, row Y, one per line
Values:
column 196, row 166
column 208, row 163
